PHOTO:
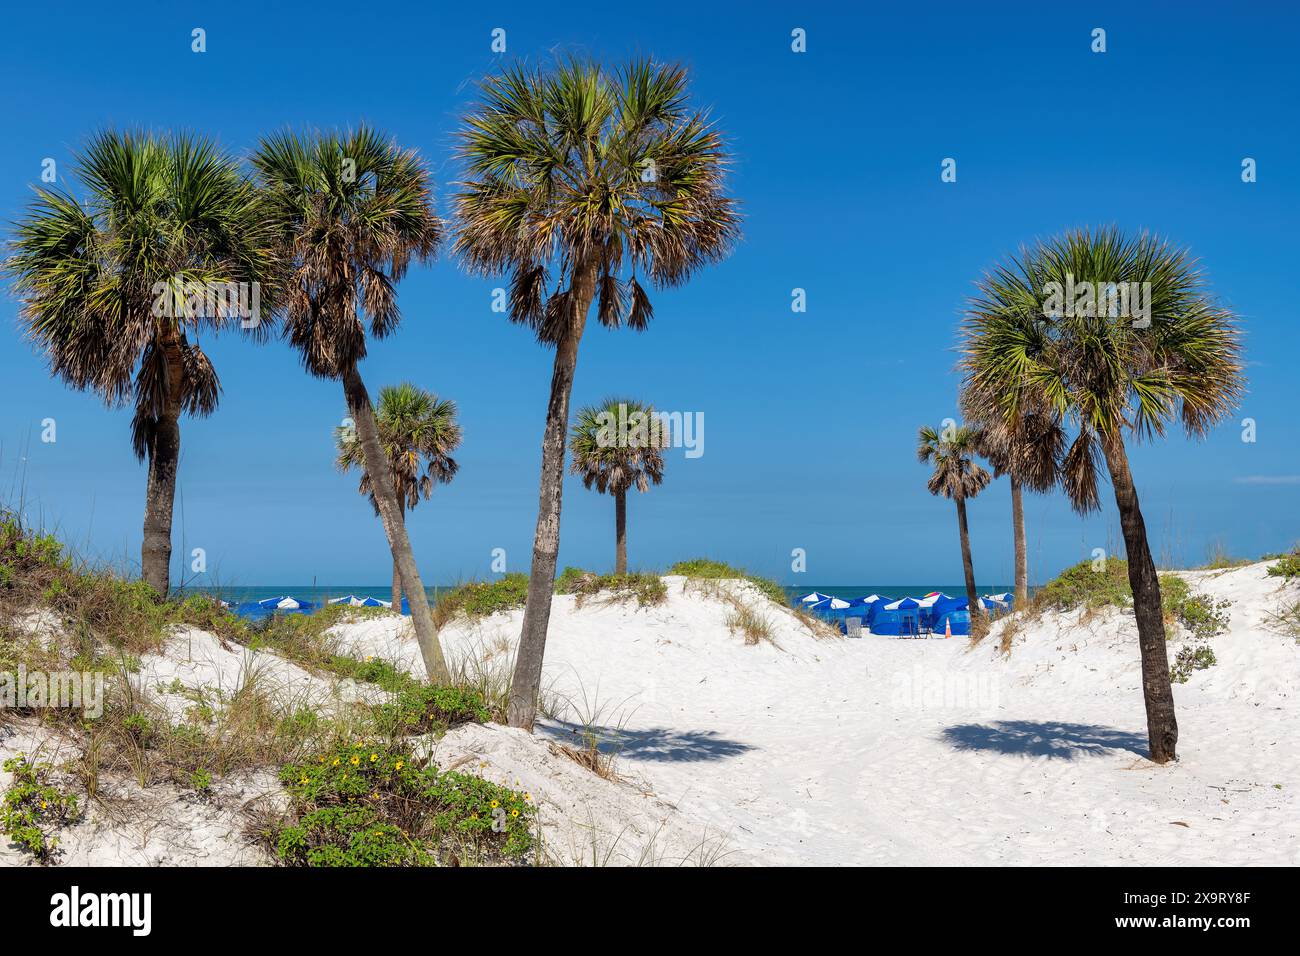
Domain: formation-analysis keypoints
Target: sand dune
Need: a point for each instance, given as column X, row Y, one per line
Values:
column 809, row 750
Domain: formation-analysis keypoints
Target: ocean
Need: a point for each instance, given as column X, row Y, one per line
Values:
column 321, row 593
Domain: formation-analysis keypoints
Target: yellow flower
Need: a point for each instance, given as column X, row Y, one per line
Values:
column 44, row 805
column 355, row 760
column 515, row 812
column 302, row 779
column 400, row 764
column 374, row 757
column 335, row 763
column 375, row 795
column 494, row 804
column 528, row 797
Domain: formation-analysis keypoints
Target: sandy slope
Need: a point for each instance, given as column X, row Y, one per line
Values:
column 882, row 750
column 869, row 751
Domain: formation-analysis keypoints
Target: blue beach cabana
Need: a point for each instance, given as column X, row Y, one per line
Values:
column 284, row 604
column 897, row 617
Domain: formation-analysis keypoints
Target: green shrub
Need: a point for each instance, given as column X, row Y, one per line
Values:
column 709, row 569
column 481, row 598
column 421, row 708
column 570, row 579
column 368, row 805
column 1202, row 615
column 1191, row 659
column 33, row 808
column 1084, row 585
column 647, row 588
column 372, row 671
column 1287, row 567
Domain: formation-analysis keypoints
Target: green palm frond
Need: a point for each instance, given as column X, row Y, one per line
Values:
column 952, row 451
column 582, row 166
column 350, row 211
column 419, row 433
column 156, row 211
column 1107, row 372
column 618, row 445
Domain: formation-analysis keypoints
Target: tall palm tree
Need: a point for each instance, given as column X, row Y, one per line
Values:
column 583, row 184
column 116, row 286
column 350, row 212
column 1028, row 452
column 418, row 432
column 959, row 477
column 1112, row 375
column 617, row 446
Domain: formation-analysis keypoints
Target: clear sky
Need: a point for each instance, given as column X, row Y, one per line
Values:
column 810, row 419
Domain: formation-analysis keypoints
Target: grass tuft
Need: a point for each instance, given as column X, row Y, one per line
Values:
column 753, row 626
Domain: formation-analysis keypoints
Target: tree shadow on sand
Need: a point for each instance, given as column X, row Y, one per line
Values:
column 1032, row 738
column 653, row 743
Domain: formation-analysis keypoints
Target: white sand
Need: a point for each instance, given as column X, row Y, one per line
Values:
column 885, row 750
column 870, row 751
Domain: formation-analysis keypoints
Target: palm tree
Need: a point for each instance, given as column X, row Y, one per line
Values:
column 606, row 180
column 418, row 432
column 116, row 287
column 959, row 477
column 350, row 212
column 1028, row 451
column 616, row 446
column 1112, row 375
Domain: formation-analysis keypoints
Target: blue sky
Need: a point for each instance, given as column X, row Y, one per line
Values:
column 810, row 419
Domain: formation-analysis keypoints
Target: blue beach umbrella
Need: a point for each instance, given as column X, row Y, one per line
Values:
column 353, row 601
column 816, row 597
column 831, row 604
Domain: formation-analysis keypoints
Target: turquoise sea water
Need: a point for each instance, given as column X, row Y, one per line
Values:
column 321, row 593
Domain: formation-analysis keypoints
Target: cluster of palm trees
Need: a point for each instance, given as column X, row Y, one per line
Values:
column 1050, row 394
column 587, row 186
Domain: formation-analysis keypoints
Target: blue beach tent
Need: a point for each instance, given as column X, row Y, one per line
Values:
column 284, row 604
column 897, row 617
column 957, row 618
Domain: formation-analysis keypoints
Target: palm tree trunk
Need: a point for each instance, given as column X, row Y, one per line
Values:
column 397, row 577
column 620, row 532
column 1157, row 689
column 164, row 455
column 381, row 482
column 526, row 681
column 1018, row 531
column 967, row 565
